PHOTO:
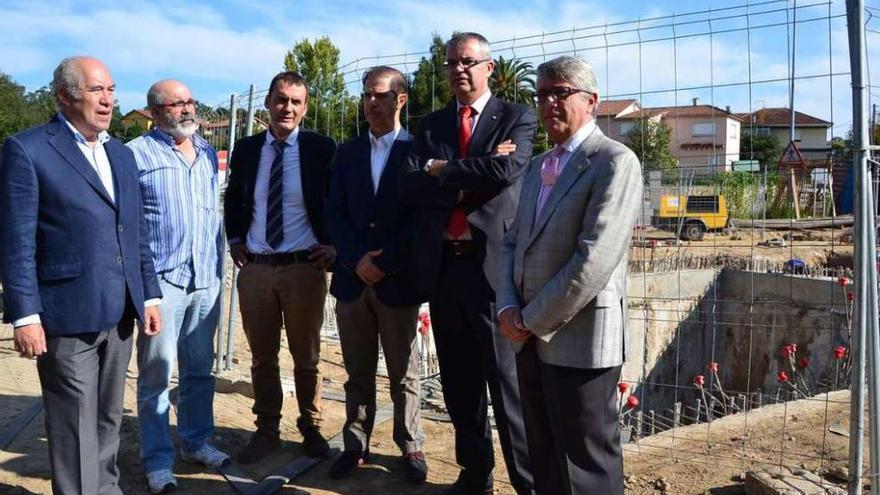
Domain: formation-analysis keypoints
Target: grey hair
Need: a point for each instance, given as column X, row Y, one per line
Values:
column 66, row 78
column 154, row 96
column 459, row 38
column 572, row 70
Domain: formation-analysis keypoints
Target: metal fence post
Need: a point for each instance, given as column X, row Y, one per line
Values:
column 219, row 363
column 864, row 260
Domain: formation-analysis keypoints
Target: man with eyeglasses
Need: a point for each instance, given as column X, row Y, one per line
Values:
column 274, row 217
column 462, row 177
column 375, row 300
column 562, row 289
column 77, row 271
column 178, row 179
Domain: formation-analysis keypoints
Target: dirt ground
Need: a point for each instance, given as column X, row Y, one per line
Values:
column 698, row 459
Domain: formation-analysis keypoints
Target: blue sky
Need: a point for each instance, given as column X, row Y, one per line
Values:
column 219, row 47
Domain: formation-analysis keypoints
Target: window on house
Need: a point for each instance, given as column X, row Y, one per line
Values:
column 762, row 131
column 626, row 127
column 703, row 129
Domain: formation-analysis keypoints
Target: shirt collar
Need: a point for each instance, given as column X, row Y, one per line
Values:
column 103, row 136
column 291, row 139
column 477, row 105
column 573, row 143
column 387, row 139
column 161, row 135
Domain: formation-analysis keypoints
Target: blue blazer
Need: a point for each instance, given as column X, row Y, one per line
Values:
column 359, row 220
column 67, row 251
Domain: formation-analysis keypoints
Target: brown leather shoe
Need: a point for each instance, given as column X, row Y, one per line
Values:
column 260, row 444
column 314, row 445
column 416, row 467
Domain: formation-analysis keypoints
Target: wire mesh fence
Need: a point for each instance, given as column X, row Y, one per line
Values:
column 742, row 288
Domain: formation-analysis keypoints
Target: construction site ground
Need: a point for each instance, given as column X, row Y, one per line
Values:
column 697, row 459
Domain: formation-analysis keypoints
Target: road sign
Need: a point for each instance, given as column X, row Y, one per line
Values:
column 792, row 156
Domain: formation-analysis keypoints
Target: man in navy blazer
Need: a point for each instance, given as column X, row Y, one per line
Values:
column 375, row 301
column 77, row 270
column 462, row 179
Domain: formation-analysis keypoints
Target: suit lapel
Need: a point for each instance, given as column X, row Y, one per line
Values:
column 396, row 156
column 253, row 162
column 363, row 171
column 576, row 165
column 486, row 125
column 447, row 132
column 114, row 154
column 531, row 188
column 66, row 146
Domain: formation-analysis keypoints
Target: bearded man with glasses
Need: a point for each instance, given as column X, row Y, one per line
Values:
column 462, row 179
column 177, row 171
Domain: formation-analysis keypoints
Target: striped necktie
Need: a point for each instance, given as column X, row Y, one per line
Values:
column 274, row 210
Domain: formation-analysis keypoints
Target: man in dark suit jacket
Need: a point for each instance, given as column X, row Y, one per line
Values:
column 274, row 221
column 375, row 301
column 76, row 268
column 463, row 177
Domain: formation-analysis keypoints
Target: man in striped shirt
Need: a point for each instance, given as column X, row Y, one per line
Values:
column 178, row 179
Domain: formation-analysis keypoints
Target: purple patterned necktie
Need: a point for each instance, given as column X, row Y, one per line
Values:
column 549, row 173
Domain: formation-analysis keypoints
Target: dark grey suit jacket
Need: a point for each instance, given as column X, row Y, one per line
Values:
column 486, row 186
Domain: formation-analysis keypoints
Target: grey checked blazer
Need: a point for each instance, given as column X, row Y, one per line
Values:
column 567, row 268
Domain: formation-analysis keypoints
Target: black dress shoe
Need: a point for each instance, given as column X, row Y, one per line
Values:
column 261, row 444
column 466, row 486
column 347, row 462
column 416, row 467
column 314, row 444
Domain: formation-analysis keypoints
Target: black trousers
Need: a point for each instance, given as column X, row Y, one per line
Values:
column 83, row 381
column 572, row 426
column 471, row 357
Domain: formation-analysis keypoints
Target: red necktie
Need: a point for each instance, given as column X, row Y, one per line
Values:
column 457, row 224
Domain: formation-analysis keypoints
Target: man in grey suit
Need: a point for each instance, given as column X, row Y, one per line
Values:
column 562, row 287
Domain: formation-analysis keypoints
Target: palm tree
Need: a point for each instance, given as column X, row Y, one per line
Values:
column 513, row 80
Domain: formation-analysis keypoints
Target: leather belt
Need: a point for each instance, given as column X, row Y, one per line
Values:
column 279, row 258
column 458, row 248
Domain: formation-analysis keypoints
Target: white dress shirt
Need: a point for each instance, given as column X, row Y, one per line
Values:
column 298, row 233
column 380, row 148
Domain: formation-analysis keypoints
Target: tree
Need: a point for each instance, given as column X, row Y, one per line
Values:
column 13, row 106
column 429, row 90
column 649, row 140
column 513, row 80
column 329, row 101
column 765, row 149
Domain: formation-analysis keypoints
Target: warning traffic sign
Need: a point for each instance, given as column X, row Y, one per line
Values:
column 792, row 156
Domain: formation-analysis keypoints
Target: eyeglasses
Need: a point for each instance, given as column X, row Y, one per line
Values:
column 558, row 93
column 180, row 105
column 386, row 95
column 465, row 63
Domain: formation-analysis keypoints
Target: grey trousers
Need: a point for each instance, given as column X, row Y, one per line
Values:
column 363, row 323
column 83, row 381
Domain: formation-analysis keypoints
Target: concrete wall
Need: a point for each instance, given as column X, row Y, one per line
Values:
column 679, row 322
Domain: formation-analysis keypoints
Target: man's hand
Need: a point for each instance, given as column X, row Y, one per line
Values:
column 322, row 255
column 30, row 340
column 512, row 325
column 153, row 321
column 436, row 167
column 505, row 148
column 367, row 270
column 239, row 253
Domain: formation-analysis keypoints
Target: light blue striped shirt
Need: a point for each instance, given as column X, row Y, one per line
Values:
column 182, row 208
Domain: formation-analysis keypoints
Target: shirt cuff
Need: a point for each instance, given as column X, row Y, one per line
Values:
column 27, row 320
column 153, row 302
column 427, row 166
column 506, row 308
